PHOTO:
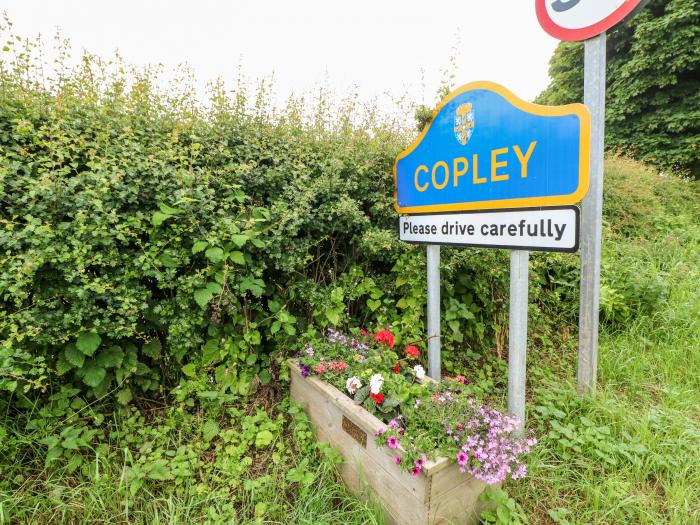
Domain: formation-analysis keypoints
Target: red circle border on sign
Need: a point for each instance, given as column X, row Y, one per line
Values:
column 587, row 32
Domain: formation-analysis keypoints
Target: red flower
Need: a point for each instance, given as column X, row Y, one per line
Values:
column 412, row 351
column 385, row 336
column 364, row 332
column 378, row 398
column 396, row 368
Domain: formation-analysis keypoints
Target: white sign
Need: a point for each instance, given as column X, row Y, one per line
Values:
column 583, row 19
column 550, row 229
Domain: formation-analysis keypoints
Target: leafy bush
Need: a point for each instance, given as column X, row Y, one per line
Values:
column 146, row 236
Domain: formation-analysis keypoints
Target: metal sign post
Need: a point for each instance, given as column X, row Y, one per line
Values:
column 591, row 228
column 573, row 20
column 433, row 256
column 517, row 335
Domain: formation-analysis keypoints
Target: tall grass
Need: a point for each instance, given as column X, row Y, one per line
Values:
column 61, row 500
column 648, row 396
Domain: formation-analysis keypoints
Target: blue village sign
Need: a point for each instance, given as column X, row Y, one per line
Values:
column 487, row 149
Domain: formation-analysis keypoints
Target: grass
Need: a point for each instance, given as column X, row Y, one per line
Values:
column 648, row 393
column 105, row 502
column 630, row 454
column 228, row 491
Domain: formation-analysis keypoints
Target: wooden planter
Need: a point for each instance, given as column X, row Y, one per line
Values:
column 440, row 494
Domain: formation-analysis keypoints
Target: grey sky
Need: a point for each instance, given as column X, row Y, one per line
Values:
column 378, row 46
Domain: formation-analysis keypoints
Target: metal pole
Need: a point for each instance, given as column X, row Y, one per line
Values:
column 517, row 335
column 592, row 217
column 434, row 311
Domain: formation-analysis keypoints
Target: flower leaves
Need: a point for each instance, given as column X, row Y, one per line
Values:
column 361, row 395
column 389, row 405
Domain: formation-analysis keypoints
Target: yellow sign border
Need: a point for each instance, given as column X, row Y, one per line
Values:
column 522, row 202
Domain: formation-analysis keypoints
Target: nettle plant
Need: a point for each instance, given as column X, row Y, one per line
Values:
column 425, row 419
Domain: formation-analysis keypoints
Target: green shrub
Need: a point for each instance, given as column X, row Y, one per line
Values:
column 148, row 238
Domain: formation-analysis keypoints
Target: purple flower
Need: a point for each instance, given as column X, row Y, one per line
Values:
column 305, row 369
column 521, row 472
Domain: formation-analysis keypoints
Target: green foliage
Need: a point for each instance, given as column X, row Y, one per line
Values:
column 502, row 509
column 149, row 239
column 566, row 75
column 653, row 91
column 230, row 467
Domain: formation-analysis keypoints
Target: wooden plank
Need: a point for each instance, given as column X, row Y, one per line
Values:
column 447, row 479
column 361, row 468
column 326, row 417
column 459, row 506
column 369, row 480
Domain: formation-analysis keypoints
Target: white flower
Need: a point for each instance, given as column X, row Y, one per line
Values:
column 352, row 384
column 375, row 383
column 420, row 371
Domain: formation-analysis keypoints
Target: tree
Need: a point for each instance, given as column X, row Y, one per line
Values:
column 653, row 85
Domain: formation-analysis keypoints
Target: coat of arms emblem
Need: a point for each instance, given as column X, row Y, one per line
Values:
column 464, row 123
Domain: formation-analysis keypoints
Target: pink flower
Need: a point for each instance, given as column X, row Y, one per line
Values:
column 337, row 366
column 462, row 458
column 397, row 459
column 320, row 368
column 392, row 442
column 418, row 467
column 521, row 472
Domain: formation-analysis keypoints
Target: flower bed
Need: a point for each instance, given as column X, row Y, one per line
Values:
column 417, row 428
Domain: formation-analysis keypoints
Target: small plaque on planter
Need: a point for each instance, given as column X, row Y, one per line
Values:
column 356, row 432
